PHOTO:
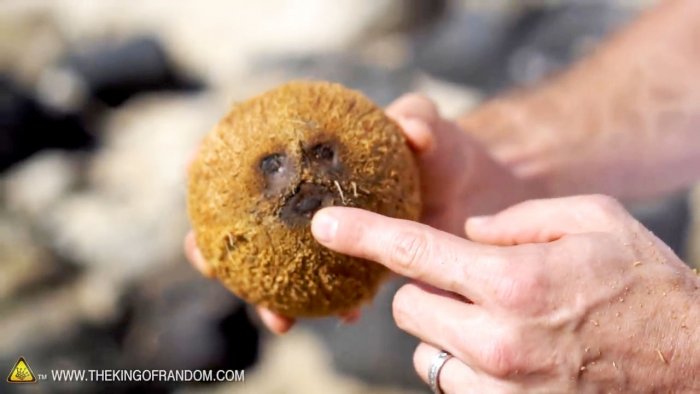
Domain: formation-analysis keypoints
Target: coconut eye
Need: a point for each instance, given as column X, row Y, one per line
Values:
column 277, row 171
column 272, row 164
column 323, row 152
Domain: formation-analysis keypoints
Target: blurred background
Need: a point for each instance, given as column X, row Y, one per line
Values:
column 102, row 102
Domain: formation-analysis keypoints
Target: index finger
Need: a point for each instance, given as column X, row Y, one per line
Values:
column 412, row 249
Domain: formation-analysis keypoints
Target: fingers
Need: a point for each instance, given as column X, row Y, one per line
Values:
column 418, row 133
column 454, row 376
column 546, row 220
column 416, row 115
column 276, row 323
column 414, row 105
column 412, row 249
column 444, row 321
column 351, row 317
column 279, row 324
column 194, row 256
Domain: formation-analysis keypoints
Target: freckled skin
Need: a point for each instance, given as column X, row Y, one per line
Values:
column 268, row 166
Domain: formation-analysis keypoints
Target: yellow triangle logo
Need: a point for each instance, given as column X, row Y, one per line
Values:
column 21, row 373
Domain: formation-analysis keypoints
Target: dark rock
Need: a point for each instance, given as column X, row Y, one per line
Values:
column 27, row 127
column 464, row 46
column 114, row 72
column 420, row 13
column 555, row 37
column 179, row 320
column 493, row 48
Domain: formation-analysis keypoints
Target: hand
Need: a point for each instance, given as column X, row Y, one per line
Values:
column 565, row 295
column 458, row 177
column 458, row 180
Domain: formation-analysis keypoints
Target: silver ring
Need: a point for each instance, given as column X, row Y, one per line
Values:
column 434, row 371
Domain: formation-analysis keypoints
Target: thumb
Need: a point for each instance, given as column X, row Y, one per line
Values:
column 417, row 116
column 546, row 220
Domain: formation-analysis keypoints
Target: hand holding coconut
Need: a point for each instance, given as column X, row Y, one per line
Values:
column 452, row 169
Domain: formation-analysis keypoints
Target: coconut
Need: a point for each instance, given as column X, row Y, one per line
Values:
column 268, row 166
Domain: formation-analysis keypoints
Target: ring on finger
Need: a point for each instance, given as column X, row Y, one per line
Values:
column 434, row 371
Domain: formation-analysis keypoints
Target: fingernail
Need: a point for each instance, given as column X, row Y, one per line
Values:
column 324, row 226
column 418, row 133
column 412, row 123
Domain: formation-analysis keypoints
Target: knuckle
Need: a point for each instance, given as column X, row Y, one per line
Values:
column 512, row 292
column 525, row 295
column 500, row 357
column 408, row 249
column 523, row 292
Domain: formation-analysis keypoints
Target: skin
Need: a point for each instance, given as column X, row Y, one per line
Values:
column 550, row 295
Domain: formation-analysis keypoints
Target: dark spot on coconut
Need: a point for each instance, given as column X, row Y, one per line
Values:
column 278, row 171
column 308, row 204
column 272, row 164
column 306, row 199
column 324, row 159
column 323, row 152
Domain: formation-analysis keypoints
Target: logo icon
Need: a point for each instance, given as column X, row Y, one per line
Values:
column 21, row 373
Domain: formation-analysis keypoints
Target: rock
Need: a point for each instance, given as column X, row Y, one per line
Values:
column 28, row 267
column 112, row 72
column 220, row 41
column 560, row 35
column 34, row 186
column 463, row 46
column 178, row 320
column 26, row 126
column 30, row 39
column 492, row 48
column 51, row 315
column 130, row 214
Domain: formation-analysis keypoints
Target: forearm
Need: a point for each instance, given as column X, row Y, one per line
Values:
column 625, row 121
